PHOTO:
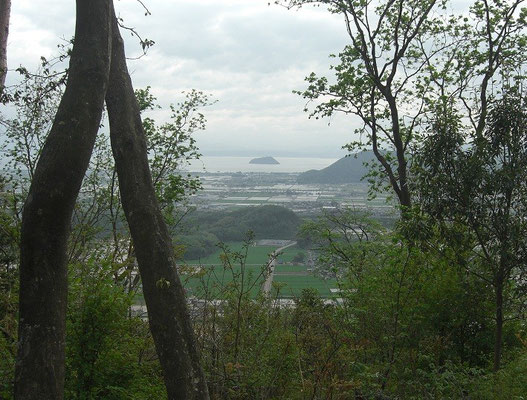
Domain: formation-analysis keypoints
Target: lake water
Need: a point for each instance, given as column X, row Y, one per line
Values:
column 241, row 164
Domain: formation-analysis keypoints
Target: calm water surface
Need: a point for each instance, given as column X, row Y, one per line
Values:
column 241, row 164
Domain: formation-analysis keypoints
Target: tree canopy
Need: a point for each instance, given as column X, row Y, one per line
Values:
column 404, row 60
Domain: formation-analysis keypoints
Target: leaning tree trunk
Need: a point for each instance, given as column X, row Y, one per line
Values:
column 164, row 296
column 5, row 13
column 48, row 209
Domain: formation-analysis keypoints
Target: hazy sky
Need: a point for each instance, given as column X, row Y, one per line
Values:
column 248, row 55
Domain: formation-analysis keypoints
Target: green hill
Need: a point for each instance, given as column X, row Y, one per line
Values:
column 267, row 222
column 349, row 169
column 206, row 229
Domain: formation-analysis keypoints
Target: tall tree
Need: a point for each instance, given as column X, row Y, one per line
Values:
column 473, row 187
column 405, row 57
column 164, row 295
column 5, row 14
column 48, row 209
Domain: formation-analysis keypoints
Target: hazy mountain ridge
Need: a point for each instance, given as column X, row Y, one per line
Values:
column 349, row 169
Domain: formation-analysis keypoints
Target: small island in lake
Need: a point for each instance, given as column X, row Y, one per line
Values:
column 263, row 160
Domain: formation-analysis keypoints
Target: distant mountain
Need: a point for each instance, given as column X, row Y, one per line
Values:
column 349, row 169
column 263, row 160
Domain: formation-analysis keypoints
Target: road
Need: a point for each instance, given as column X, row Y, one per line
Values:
column 266, row 287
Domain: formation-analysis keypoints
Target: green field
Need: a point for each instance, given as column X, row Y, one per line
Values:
column 289, row 253
column 256, row 255
column 215, row 281
column 290, row 268
column 212, row 278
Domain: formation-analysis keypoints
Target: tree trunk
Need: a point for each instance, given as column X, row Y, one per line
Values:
column 499, row 325
column 164, row 296
column 5, row 13
column 403, row 194
column 48, row 209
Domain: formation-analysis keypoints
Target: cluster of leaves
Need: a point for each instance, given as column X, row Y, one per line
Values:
column 110, row 354
column 171, row 146
column 8, row 291
column 404, row 60
column 423, row 325
column 409, row 323
column 471, row 188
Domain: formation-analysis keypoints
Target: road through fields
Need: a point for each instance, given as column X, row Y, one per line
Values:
column 266, row 287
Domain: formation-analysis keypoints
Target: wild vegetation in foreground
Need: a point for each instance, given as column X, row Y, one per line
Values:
column 414, row 316
column 432, row 309
column 409, row 323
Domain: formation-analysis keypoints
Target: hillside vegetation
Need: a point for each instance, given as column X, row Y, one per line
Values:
column 208, row 229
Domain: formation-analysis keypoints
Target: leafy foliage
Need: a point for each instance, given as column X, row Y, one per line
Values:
column 172, row 144
column 404, row 60
column 109, row 354
column 482, row 203
column 9, row 234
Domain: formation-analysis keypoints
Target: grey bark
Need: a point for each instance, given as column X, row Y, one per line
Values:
column 5, row 13
column 168, row 315
column 39, row 372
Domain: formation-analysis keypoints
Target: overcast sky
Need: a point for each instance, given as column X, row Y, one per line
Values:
column 248, row 55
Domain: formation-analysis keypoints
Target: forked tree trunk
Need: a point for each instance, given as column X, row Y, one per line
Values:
column 165, row 300
column 48, row 210
column 5, row 13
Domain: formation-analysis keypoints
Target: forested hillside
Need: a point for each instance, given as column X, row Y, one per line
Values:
column 204, row 230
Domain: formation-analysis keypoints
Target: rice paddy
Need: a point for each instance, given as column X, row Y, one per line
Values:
column 216, row 275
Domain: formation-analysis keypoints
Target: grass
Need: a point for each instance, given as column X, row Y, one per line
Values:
column 214, row 280
column 256, row 255
column 290, row 268
column 290, row 253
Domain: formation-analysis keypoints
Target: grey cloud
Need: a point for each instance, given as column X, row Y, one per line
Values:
column 248, row 55
column 263, row 41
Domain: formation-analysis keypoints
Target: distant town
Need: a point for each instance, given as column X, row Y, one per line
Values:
column 224, row 191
